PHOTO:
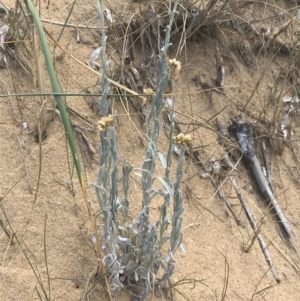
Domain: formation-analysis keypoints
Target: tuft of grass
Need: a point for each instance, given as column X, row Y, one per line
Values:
column 41, row 288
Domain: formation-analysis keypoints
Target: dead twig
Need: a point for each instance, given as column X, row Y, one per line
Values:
column 70, row 25
column 222, row 131
column 245, row 140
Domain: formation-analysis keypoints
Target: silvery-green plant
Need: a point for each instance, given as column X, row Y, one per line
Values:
column 133, row 250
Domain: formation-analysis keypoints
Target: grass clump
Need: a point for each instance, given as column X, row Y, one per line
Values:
column 135, row 250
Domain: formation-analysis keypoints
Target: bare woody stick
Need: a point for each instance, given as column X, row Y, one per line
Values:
column 255, row 228
column 245, row 140
column 223, row 133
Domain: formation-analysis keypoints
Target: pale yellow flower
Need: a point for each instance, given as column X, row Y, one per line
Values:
column 182, row 139
column 147, row 99
column 175, row 67
column 105, row 122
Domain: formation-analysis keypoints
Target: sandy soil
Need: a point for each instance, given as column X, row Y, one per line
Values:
column 50, row 218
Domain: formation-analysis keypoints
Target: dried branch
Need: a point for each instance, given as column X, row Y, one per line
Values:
column 223, row 133
column 245, row 140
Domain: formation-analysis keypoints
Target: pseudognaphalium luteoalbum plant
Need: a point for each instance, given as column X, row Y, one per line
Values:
column 134, row 249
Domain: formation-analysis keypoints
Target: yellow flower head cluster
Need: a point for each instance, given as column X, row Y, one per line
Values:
column 182, row 139
column 105, row 122
column 147, row 99
column 175, row 67
column 128, row 165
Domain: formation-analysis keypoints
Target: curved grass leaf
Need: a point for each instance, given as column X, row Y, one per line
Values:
column 56, row 88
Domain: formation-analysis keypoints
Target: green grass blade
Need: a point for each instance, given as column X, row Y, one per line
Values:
column 67, row 20
column 56, row 87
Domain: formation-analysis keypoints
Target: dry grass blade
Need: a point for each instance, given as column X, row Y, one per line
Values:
column 41, row 107
column 226, row 279
column 86, row 147
column 25, row 164
column 70, row 25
